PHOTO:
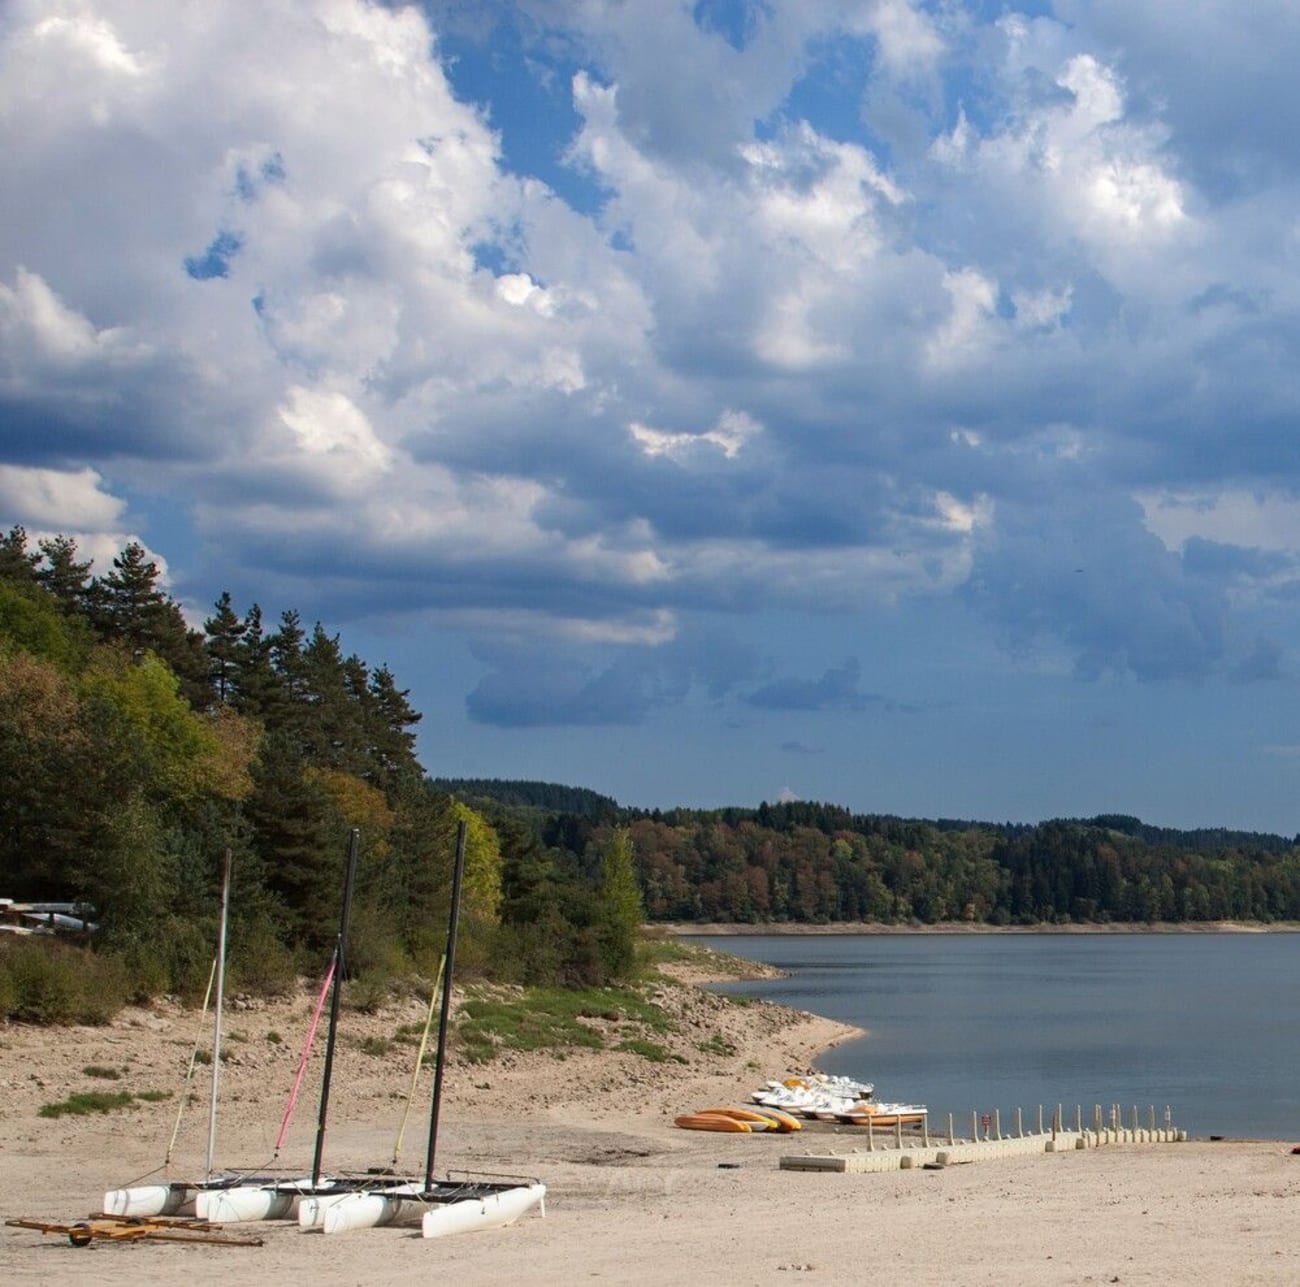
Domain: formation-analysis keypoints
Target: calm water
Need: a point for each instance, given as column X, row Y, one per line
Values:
column 1207, row 1023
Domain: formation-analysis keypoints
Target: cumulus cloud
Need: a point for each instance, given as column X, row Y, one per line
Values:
column 989, row 317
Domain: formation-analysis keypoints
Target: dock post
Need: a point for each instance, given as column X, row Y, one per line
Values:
column 871, row 1136
column 952, row 1139
column 974, row 1126
column 1040, row 1119
column 997, row 1123
column 1020, row 1124
column 925, row 1130
column 898, row 1131
column 1078, row 1119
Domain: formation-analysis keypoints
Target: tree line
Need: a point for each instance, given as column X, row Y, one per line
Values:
column 138, row 748
column 806, row 862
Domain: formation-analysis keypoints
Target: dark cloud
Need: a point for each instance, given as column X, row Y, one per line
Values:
column 536, row 686
column 836, row 690
column 1089, row 578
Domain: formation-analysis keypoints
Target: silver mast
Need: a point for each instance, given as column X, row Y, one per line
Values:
column 216, row 1031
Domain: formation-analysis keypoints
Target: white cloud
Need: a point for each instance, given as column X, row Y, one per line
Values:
column 734, row 429
column 329, row 425
column 37, row 327
column 1233, row 516
column 65, row 500
column 247, row 256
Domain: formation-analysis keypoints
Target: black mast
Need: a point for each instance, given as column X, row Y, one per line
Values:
column 456, row 881
column 340, row 964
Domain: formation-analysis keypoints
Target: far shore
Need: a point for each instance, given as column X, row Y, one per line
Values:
column 686, row 929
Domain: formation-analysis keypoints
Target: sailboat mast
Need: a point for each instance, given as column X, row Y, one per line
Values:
column 457, row 880
column 340, row 949
column 221, row 992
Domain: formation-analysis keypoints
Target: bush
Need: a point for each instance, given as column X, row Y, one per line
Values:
column 42, row 981
column 258, row 963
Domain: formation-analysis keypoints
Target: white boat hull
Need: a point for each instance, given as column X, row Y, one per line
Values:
column 371, row 1210
column 246, row 1203
column 311, row 1211
column 491, row 1212
column 149, row 1200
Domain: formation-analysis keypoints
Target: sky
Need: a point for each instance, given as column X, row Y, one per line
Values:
column 891, row 403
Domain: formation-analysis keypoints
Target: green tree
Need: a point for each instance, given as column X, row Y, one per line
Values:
column 619, row 910
column 63, row 575
column 17, row 563
column 225, row 632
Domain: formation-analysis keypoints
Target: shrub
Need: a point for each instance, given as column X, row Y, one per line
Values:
column 259, row 963
column 42, row 981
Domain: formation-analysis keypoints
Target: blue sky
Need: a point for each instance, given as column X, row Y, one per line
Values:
column 882, row 402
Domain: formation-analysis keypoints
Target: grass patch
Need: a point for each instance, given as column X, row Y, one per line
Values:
column 376, row 1046
column 715, row 1045
column 665, row 950
column 85, row 1102
column 650, row 1050
column 555, row 1019
column 100, row 1071
column 273, row 1038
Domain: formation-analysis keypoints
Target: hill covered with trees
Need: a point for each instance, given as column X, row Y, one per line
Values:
column 136, row 750
column 805, row 862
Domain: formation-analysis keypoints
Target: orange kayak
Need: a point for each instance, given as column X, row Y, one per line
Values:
column 710, row 1122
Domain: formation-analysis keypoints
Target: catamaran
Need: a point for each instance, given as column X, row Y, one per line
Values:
column 460, row 1203
column 346, row 1201
column 195, row 1197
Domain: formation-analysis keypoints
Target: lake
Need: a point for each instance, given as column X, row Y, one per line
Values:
column 1208, row 1024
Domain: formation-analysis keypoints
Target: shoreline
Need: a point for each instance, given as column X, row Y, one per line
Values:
column 631, row 1198
column 792, row 929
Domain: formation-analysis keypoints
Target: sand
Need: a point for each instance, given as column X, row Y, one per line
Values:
column 632, row 1199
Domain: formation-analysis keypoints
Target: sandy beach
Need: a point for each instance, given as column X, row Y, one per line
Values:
column 632, row 1199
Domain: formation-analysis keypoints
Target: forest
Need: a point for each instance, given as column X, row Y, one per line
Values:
column 137, row 749
column 812, row 863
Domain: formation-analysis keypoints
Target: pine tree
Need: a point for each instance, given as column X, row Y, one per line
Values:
column 63, row 575
column 257, row 688
column 16, row 563
column 224, row 632
column 392, row 745
column 127, row 607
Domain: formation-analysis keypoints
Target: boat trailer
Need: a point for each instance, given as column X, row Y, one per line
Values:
column 81, row 1233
